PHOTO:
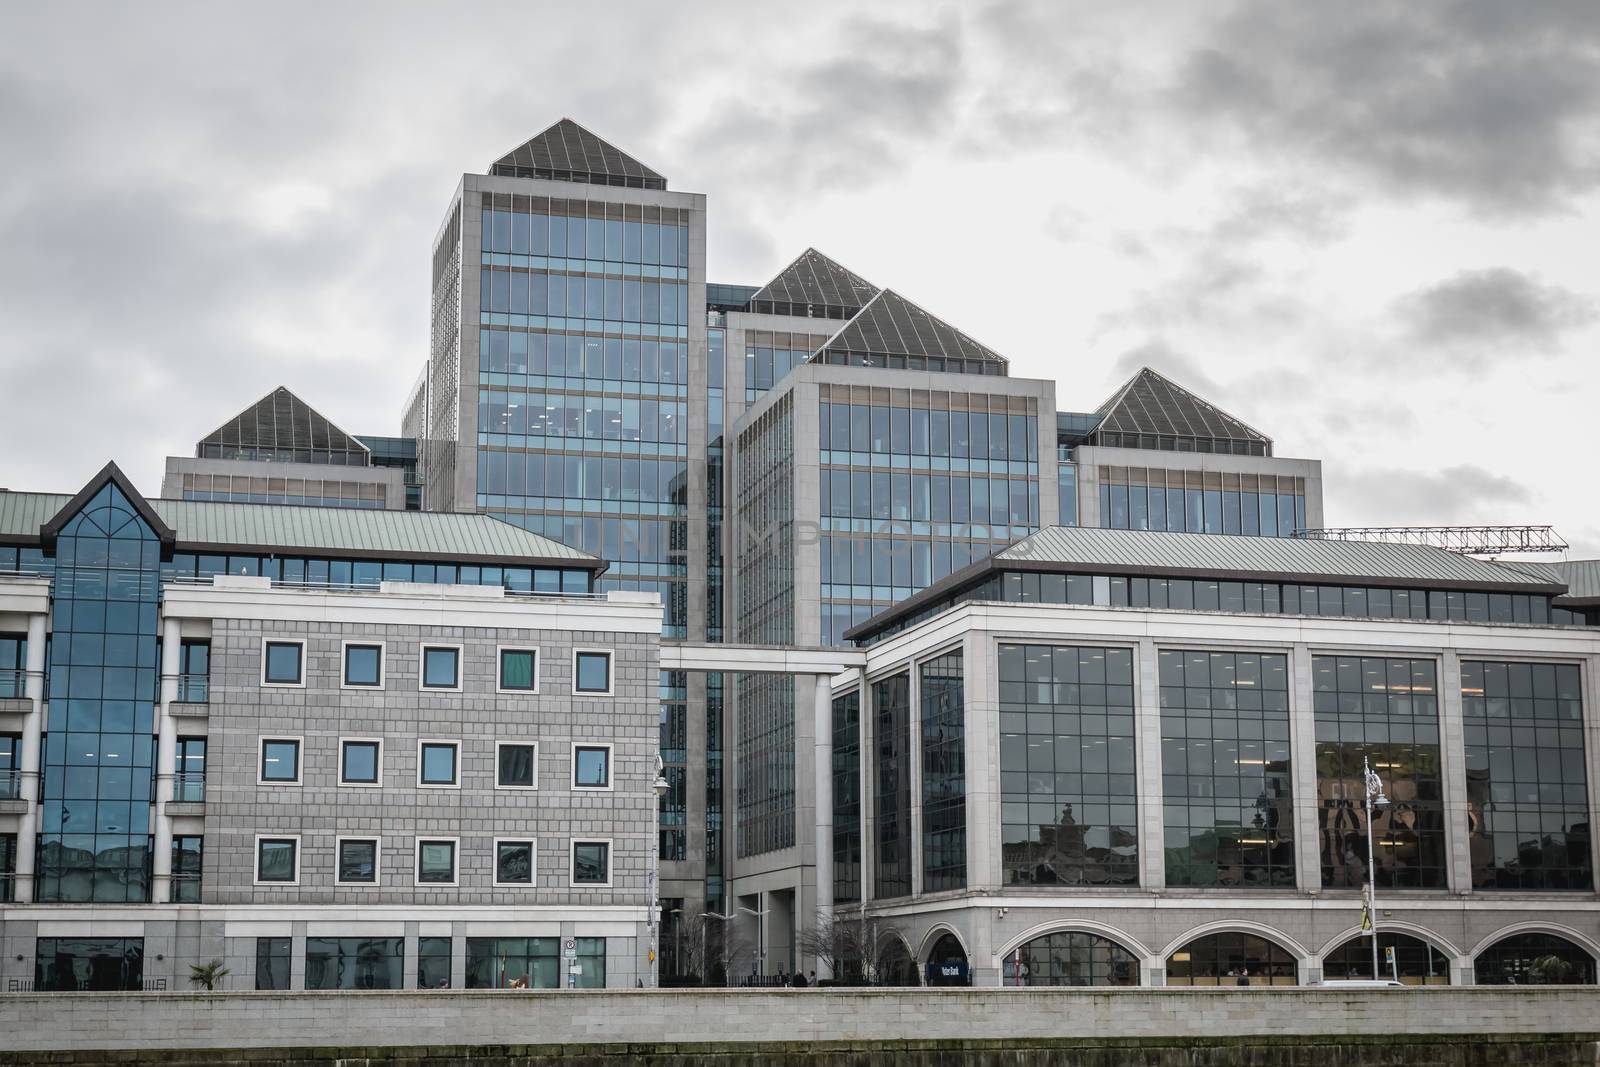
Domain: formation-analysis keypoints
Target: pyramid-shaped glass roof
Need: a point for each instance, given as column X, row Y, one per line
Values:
column 891, row 331
column 567, row 152
column 814, row 286
column 1151, row 411
column 281, row 427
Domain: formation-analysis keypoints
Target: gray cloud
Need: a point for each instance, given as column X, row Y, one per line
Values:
column 1160, row 356
column 1393, row 496
column 1491, row 105
column 1474, row 314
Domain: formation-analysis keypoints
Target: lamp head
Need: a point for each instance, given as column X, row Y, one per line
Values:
column 661, row 787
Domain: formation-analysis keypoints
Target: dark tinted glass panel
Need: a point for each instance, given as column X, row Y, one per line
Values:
column 1231, row 960
column 363, row 664
column 1226, row 770
column 1071, row 958
column 591, row 863
column 275, row 859
column 283, row 663
column 891, row 807
column 1534, row 959
column 516, row 765
column 354, row 962
column 944, row 815
column 358, row 861
column 187, row 853
column 847, row 798
column 1527, row 788
column 1067, row 778
column 1416, row 961
column 433, row 963
column 272, row 962
column 513, row 962
column 88, row 964
column 1384, row 711
column 513, row 862
column 436, row 861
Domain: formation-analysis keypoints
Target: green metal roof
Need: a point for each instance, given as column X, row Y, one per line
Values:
column 347, row 532
column 1580, row 576
column 1353, row 562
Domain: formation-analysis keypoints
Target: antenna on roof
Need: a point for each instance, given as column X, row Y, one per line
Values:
column 1462, row 540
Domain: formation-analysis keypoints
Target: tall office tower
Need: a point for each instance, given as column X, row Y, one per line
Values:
column 780, row 462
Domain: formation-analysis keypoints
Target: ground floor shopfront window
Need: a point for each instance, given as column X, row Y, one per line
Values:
column 354, row 962
column 1231, row 959
column 535, row 963
column 89, row 964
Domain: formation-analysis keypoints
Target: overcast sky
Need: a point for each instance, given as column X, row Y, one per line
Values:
column 1370, row 230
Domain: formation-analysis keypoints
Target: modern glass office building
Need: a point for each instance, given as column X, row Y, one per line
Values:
column 779, row 461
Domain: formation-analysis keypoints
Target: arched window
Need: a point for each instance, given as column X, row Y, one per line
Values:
column 1231, row 959
column 895, row 966
column 947, row 962
column 1419, row 963
column 1534, row 959
column 1071, row 958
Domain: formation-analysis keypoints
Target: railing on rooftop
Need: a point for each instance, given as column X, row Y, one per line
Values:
column 373, row 587
column 1462, row 540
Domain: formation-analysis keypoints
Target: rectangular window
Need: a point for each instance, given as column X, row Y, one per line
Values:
column 272, row 962
column 363, row 666
column 277, row 860
column 891, row 807
column 1226, row 768
column 591, row 766
column 1384, row 712
column 441, row 667
column 591, row 863
column 189, row 782
column 433, row 963
column 591, row 672
column 357, row 862
column 1527, row 788
column 504, row 962
column 281, row 663
column 436, row 861
column 846, row 769
column 355, row 962
column 280, row 760
column 1068, row 789
column 187, row 853
column 944, row 815
column 513, row 862
column 437, row 763
column 88, row 964
column 360, row 761
column 516, row 766
column 194, row 672
column 519, row 671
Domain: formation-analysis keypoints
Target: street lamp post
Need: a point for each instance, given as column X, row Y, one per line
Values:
column 1374, row 798
column 660, row 786
column 760, row 953
column 704, row 962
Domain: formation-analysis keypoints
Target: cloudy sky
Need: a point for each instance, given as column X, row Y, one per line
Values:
column 1368, row 229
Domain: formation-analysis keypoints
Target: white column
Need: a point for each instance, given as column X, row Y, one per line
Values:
column 32, row 728
column 1453, row 768
column 166, row 761
column 822, row 717
column 1147, row 761
column 1303, row 772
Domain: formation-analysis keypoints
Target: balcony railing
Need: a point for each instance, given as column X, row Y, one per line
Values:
column 10, row 784
column 8, row 887
column 189, row 788
column 13, row 683
column 194, row 689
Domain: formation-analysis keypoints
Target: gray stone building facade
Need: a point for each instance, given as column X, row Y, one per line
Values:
column 431, row 762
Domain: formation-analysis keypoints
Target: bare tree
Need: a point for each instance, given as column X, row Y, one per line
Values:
column 850, row 945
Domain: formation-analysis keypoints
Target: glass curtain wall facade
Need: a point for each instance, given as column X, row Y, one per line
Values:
column 1136, row 498
column 99, row 764
column 944, row 779
column 1225, row 767
column 916, row 485
column 1386, row 711
column 674, row 814
column 583, row 383
column 1068, row 788
column 891, row 788
column 1527, row 790
column 847, row 798
column 769, row 357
